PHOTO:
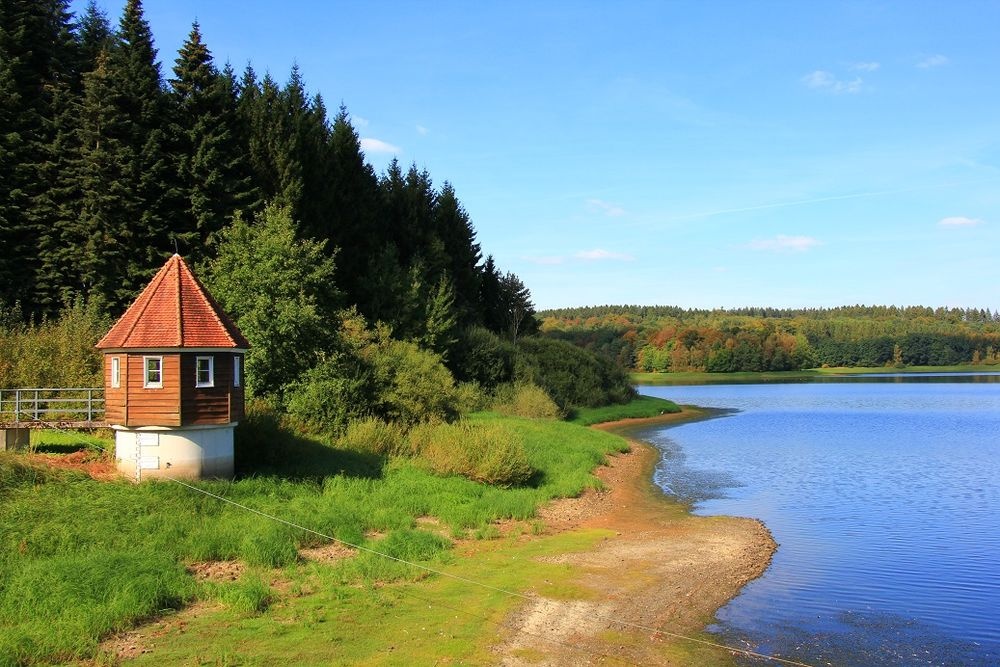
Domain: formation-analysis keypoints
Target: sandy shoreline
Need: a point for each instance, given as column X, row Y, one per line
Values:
column 664, row 572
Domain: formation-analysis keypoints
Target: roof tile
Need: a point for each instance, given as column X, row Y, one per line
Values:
column 174, row 310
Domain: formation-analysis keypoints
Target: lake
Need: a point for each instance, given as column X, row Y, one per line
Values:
column 884, row 496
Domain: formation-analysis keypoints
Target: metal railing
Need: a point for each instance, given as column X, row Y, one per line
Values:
column 34, row 406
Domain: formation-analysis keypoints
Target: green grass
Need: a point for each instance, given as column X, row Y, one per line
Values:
column 60, row 442
column 637, row 408
column 81, row 559
column 779, row 376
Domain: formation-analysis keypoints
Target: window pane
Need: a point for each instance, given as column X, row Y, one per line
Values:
column 154, row 375
column 204, row 372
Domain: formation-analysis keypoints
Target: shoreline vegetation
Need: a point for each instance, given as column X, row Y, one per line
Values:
column 619, row 550
column 692, row 377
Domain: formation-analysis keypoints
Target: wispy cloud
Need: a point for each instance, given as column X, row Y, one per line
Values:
column 422, row 131
column 783, row 243
column 609, row 209
column 372, row 145
column 937, row 60
column 959, row 221
column 826, row 82
column 865, row 67
column 358, row 121
column 598, row 254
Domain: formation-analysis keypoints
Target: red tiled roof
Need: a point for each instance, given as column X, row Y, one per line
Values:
column 175, row 310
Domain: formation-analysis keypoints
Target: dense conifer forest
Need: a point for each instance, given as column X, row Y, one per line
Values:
column 668, row 338
column 350, row 285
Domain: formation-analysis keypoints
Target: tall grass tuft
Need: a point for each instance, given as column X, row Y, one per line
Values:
column 484, row 452
column 374, row 436
column 249, row 595
column 524, row 399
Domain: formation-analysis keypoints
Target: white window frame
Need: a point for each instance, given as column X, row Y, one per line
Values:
column 210, row 382
column 146, row 383
column 236, row 369
column 116, row 372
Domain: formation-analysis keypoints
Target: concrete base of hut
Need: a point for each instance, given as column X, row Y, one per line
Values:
column 14, row 438
column 191, row 452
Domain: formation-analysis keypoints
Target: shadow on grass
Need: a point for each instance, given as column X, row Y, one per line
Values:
column 265, row 447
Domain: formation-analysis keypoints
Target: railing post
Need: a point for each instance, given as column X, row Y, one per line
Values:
column 35, row 413
column 17, row 406
column 90, row 405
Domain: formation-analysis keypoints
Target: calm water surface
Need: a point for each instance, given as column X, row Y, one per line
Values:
column 884, row 495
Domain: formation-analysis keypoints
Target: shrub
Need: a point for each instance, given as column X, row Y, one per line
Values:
column 53, row 353
column 470, row 397
column 328, row 396
column 412, row 384
column 484, row 358
column 484, row 452
column 258, row 436
column 572, row 376
column 525, row 400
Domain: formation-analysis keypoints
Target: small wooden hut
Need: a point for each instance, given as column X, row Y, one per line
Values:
column 173, row 380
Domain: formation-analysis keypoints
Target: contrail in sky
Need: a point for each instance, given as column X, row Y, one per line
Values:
column 818, row 200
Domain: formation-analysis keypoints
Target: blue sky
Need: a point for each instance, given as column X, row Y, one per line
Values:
column 701, row 154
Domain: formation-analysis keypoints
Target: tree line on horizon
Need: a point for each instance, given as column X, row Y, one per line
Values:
column 670, row 338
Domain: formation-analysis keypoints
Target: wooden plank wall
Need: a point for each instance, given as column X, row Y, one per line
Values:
column 114, row 399
column 154, row 407
column 178, row 402
column 206, row 405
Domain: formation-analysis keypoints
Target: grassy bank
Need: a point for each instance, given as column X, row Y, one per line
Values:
column 791, row 376
column 639, row 408
column 84, row 559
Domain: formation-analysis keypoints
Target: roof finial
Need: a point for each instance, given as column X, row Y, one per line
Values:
column 176, row 251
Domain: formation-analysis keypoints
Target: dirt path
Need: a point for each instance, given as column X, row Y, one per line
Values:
column 663, row 570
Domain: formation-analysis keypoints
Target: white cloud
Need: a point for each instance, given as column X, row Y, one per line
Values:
column 783, row 243
column 827, row 82
column 371, row 145
column 598, row 254
column 611, row 210
column 959, row 221
column 937, row 60
column 358, row 121
column 865, row 67
column 422, row 131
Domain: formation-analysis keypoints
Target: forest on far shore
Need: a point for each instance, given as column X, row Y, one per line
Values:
column 667, row 338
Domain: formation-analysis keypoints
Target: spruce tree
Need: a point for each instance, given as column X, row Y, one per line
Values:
column 205, row 156
column 37, row 53
column 139, row 97
column 350, row 223
column 461, row 251
column 104, row 237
